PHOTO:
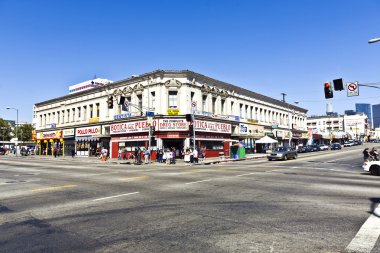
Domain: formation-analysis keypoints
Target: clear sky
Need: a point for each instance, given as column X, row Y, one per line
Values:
column 267, row 46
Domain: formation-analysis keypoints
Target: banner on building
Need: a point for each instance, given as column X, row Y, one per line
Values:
column 208, row 126
column 172, row 125
column 129, row 127
column 88, row 131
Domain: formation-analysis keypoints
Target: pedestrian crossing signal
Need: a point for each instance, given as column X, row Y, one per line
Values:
column 110, row 102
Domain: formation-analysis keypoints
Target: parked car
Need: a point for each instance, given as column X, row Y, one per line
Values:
column 2, row 151
column 282, row 153
column 372, row 167
column 302, row 149
column 348, row 144
column 358, row 142
column 335, row 146
column 324, row 147
column 315, row 148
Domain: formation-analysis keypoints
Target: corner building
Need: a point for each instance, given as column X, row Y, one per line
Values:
column 222, row 115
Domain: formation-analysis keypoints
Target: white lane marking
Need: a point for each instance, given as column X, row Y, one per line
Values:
column 366, row 238
column 245, row 174
column 116, row 196
column 199, row 181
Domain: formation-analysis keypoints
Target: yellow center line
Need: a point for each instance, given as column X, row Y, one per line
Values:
column 54, row 188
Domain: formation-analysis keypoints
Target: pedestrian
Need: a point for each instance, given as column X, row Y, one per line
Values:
column 119, row 154
column 374, row 154
column 195, row 154
column 164, row 156
column 146, row 156
column 159, row 155
column 72, row 152
column 191, row 156
column 138, row 155
column 366, row 155
column 169, row 157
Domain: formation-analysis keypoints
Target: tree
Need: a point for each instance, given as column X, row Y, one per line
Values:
column 5, row 130
column 25, row 132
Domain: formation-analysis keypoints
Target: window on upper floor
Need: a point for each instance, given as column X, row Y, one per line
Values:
column 223, row 106
column 139, row 102
column 204, row 101
column 214, row 105
column 97, row 110
column 153, row 100
column 173, row 99
column 91, row 108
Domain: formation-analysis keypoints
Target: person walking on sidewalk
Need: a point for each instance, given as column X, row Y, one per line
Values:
column 72, row 152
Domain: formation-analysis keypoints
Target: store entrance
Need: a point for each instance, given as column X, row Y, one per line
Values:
column 177, row 144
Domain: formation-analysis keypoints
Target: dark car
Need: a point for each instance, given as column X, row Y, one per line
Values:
column 304, row 149
column 315, row 147
column 335, row 146
column 282, row 153
column 358, row 142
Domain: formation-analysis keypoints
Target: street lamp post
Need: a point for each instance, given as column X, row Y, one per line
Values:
column 11, row 108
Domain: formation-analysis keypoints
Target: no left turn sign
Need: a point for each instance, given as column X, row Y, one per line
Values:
column 352, row 89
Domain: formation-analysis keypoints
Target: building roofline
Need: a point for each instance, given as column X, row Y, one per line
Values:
column 188, row 73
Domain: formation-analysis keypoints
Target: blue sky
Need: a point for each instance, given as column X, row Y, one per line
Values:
column 267, row 46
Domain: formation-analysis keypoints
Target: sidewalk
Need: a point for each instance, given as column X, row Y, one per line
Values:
column 180, row 162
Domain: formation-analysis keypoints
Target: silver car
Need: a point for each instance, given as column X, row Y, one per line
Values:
column 282, row 153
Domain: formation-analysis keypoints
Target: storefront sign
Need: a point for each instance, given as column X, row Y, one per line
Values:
column 93, row 120
column 122, row 116
column 130, row 127
column 208, row 126
column 49, row 135
column 243, row 129
column 88, row 131
column 131, row 138
column 172, row 125
column 68, row 133
column 173, row 111
column 218, row 116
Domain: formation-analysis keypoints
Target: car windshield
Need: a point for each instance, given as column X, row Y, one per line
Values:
column 281, row 149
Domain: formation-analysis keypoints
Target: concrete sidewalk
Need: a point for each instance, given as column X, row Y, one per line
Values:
column 179, row 162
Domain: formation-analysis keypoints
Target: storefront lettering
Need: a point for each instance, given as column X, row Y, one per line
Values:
column 130, row 127
column 88, row 131
column 208, row 126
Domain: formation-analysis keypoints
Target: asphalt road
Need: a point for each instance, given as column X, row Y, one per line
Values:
column 320, row 202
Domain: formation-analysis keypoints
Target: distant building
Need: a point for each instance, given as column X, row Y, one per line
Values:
column 376, row 116
column 329, row 108
column 356, row 126
column 365, row 108
column 349, row 112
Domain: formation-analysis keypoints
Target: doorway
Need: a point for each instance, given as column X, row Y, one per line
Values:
column 173, row 143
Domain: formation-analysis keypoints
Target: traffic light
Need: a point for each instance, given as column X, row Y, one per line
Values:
column 338, row 84
column 190, row 117
column 191, row 130
column 153, row 131
column 328, row 90
column 110, row 102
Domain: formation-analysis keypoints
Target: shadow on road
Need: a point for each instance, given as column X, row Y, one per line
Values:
column 374, row 204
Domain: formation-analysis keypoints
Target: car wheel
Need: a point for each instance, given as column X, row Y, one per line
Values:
column 269, row 159
column 285, row 158
column 375, row 170
column 295, row 156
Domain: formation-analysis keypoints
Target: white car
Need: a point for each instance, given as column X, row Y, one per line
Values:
column 348, row 144
column 324, row 147
column 372, row 167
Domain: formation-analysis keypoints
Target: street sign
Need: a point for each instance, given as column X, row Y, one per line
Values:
column 194, row 104
column 149, row 114
column 352, row 89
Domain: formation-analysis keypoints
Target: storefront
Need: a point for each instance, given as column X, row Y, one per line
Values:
column 87, row 141
column 130, row 136
column 213, row 137
column 68, row 136
column 47, row 142
column 172, row 133
column 248, row 134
